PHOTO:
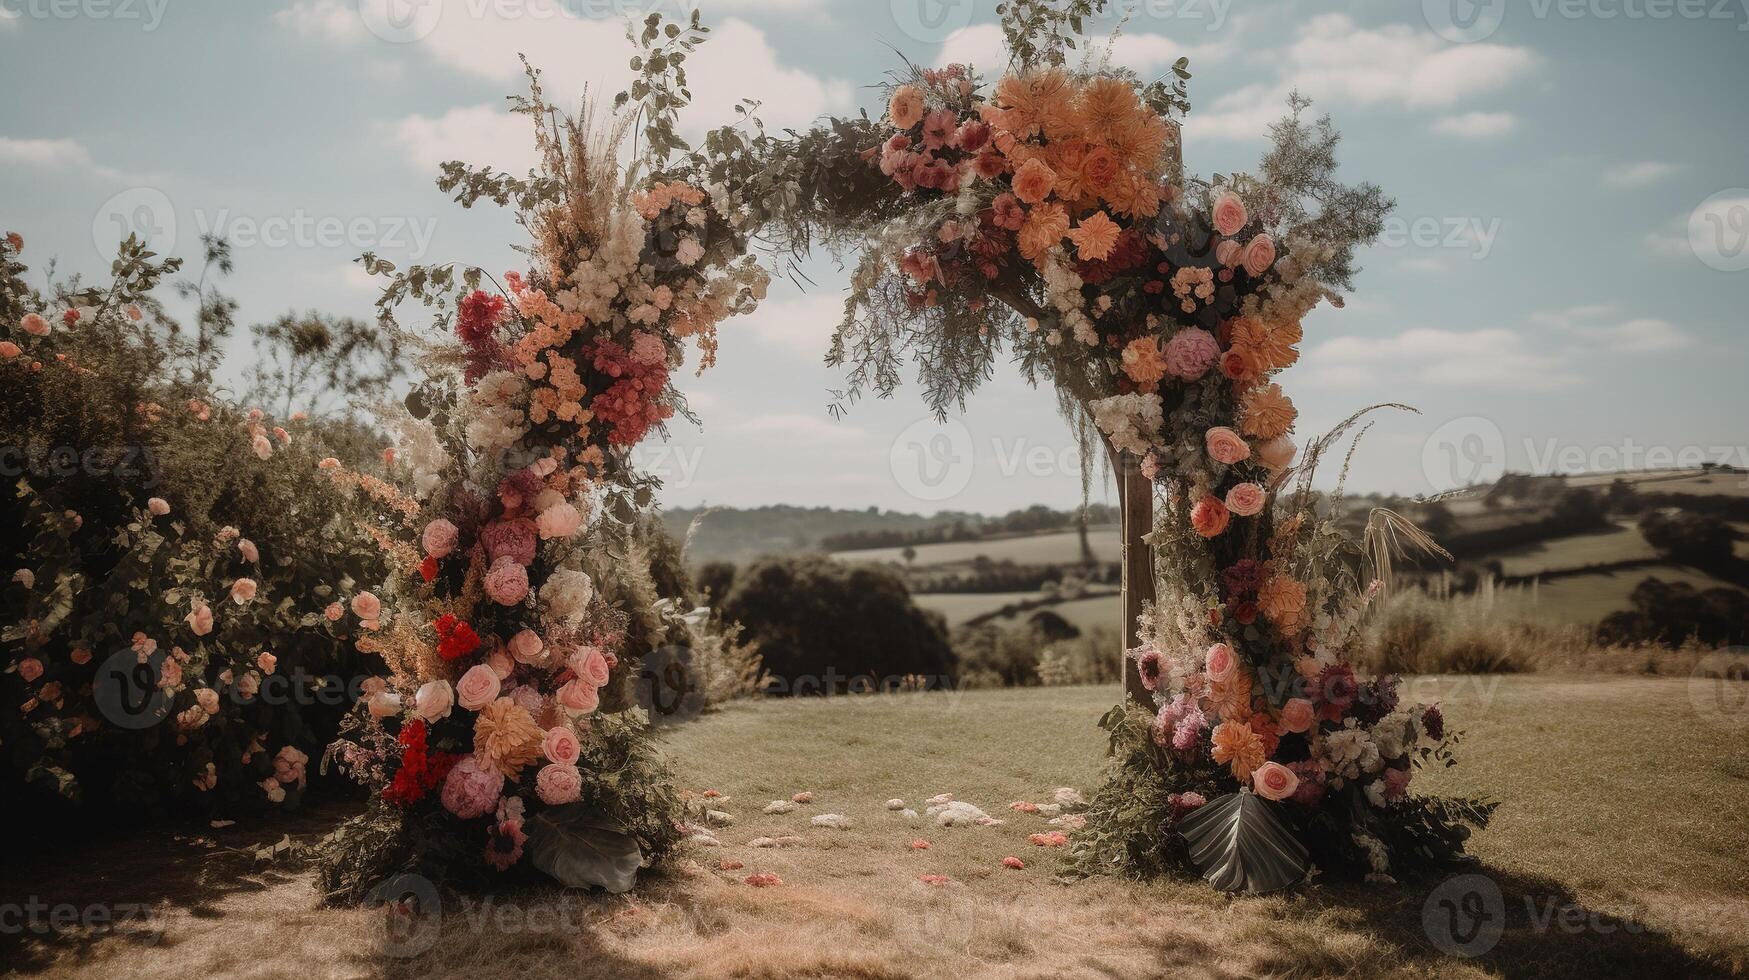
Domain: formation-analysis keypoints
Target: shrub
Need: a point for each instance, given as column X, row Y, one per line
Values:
column 822, row 625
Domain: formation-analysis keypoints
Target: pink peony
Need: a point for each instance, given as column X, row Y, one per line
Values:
column 433, row 701
column 1191, row 353
column 559, row 521
column 477, row 688
column 200, row 621
column 579, row 697
column 266, row 661
column 561, row 746
column 507, row 581
column 262, row 447
column 1228, row 214
column 247, row 549
column 242, row 590
column 1220, row 662
column 589, row 664
column 471, row 789
column 514, row 539
column 288, row 765
column 1274, row 781
column 333, row 612
column 158, row 506
column 1259, row 255
column 1277, row 454
column 558, row 784
column 1246, row 500
column 1226, row 446
column 9, row 350
column 439, row 538
column 35, row 325
column 526, row 647
column 366, row 605
column 1209, row 517
column 1297, row 715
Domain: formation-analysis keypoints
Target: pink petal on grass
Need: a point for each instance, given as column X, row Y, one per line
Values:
column 1013, row 862
column 764, row 879
column 919, row 845
column 937, row 880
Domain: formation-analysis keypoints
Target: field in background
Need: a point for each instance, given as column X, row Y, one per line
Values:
column 1648, row 883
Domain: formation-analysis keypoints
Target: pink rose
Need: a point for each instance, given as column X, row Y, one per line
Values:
column 433, row 701
column 500, row 663
column 477, row 688
column 471, row 789
column 1259, row 255
column 589, row 664
column 1228, row 214
column 1220, row 662
column 507, row 581
column 1191, row 353
column 262, row 447
column 1277, row 454
column 242, row 590
column 35, row 325
column 514, row 539
column 200, row 621
column 1209, row 517
column 288, row 765
column 208, row 699
column 385, row 705
column 158, row 506
column 440, row 538
column 1246, row 500
column 30, row 669
column 526, row 647
column 558, row 784
column 1226, row 446
column 579, row 697
column 559, row 521
column 248, row 550
column 333, row 612
column 1297, row 715
column 366, row 605
column 561, row 746
column 9, row 350
column 266, row 661
column 328, row 463
column 1229, row 252
column 1274, row 781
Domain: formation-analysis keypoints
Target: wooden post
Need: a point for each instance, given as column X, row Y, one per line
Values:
column 1135, row 495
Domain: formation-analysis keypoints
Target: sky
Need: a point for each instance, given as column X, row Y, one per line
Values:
column 1561, row 288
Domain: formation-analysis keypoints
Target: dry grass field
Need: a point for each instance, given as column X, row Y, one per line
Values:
column 1619, row 852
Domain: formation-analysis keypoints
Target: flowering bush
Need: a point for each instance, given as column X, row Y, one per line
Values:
column 165, row 649
column 508, row 737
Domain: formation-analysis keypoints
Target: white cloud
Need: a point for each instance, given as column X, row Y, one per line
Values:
column 1334, row 59
column 9, row 19
column 324, row 20
column 1490, row 358
column 797, row 425
column 982, row 47
column 61, row 154
column 1592, row 324
column 1476, row 125
column 1638, row 174
column 803, row 324
column 978, row 45
column 481, row 135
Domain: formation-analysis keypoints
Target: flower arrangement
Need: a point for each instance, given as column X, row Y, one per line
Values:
column 504, row 738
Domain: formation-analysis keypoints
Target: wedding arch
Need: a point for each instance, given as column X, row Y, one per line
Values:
column 1046, row 214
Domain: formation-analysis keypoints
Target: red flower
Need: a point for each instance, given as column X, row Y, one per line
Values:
column 478, row 318
column 419, row 772
column 428, row 568
column 457, row 642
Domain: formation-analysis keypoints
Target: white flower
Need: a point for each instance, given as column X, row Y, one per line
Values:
column 566, row 594
column 689, row 252
column 25, row 577
column 1131, row 421
column 1375, row 793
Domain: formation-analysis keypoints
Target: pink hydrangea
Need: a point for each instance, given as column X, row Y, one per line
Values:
column 515, row 539
column 507, row 581
column 557, row 784
column 1191, row 353
column 471, row 789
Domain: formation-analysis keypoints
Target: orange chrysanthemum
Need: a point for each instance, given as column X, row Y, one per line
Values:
column 1266, row 413
column 1231, row 698
column 1045, row 226
column 1107, row 105
column 1283, row 600
column 1095, row 237
column 1033, row 182
column 1239, row 747
column 506, row 736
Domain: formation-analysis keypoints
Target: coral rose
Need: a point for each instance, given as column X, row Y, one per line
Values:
column 247, row 549
column 158, row 506
column 579, row 697
column 1033, row 181
column 1228, row 214
column 1246, row 499
column 1226, row 446
column 35, row 325
column 561, row 746
column 1297, row 715
column 366, row 605
column 526, row 647
column 905, row 108
column 559, row 521
column 1259, row 255
column 1277, row 454
column 477, row 688
column 591, row 665
column 200, row 621
column 1209, row 517
column 1274, row 781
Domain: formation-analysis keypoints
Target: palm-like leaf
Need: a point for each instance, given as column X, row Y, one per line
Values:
column 1240, row 843
column 567, row 844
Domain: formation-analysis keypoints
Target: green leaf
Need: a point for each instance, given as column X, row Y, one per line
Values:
column 567, row 844
column 1241, row 843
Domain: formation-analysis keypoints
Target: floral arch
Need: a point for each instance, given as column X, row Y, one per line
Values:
column 1045, row 215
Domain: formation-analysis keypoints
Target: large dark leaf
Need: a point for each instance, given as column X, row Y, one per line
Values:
column 1241, row 843
column 566, row 843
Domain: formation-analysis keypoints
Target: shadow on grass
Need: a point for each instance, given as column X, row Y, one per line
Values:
column 1506, row 924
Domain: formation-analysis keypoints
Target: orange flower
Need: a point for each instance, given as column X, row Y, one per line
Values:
column 1045, row 226
column 1033, row 182
column 1098, row 169
column 1239, row 747
column 1095, row 237
column 1231, row 698
column 1106, row 106
column 1266, row 413
column 905, row 108
column 1283, row 600
column 507, row 737
column 1066, row 159
column 1133, row 195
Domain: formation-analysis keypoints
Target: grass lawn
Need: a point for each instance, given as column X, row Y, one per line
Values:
column 1026, row 549
column 1585, row 599
column 1621, row 851
column 1624, row 542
